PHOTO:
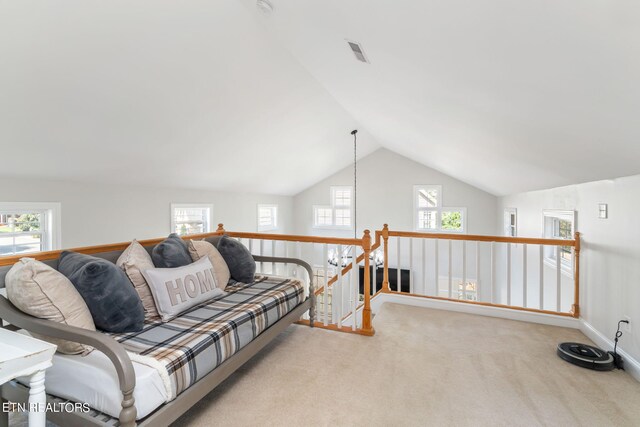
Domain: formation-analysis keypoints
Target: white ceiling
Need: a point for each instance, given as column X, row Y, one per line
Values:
column 506, row 95
column 162, row 92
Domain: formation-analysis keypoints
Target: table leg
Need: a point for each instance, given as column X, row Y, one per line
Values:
column 37, row 400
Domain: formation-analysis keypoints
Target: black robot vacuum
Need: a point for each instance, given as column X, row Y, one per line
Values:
column 586, row 356
column 590, row 357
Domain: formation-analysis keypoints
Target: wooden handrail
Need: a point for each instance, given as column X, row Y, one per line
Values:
column 483, row 238
column 48, row 255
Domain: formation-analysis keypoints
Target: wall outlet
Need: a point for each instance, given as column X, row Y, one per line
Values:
column 626, row 327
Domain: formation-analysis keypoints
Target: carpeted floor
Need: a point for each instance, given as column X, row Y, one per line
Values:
column 423, row 367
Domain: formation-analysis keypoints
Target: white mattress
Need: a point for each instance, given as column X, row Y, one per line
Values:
column 92, row 379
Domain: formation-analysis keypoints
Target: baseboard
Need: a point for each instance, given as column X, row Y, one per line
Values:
column 631, row 365
column 481, row 310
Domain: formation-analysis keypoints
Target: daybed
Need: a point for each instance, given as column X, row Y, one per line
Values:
column 150, row 378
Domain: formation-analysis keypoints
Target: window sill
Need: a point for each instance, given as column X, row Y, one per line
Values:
column 263, row 230
column 565, row 270
column 331, row 227
column 428, row 230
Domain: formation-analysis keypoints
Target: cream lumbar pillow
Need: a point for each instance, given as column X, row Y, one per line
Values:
column 43, row 292
column 134, row 260
column 201, row 248
column 178, row 289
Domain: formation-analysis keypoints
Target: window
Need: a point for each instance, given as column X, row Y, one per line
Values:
column 510, row 222
column 339, row 213
column 453, row 220
column 322, row 216
column 427, row 202
column 29, row 227
column 191, row 218
column 559, row 224
column 430, row 215
column 267, row 217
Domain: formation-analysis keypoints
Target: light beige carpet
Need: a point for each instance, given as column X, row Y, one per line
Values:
column 423, row 367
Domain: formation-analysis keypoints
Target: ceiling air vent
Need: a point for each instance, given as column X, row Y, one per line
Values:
column 357, row 51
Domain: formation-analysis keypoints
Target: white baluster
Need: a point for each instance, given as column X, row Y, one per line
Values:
column 437, row 268
column 424, row 266
column 411, row 287
column 273, row 253
column 450, row 270
column 464, row 270
column 374, row 281
column 261, row 254
column 325, row 295
column 541, row 262
column 398, row 285
column 340, row 289
column 558, row 280
column 493, row 270
column 524, row 274
column 477, row 271
column 356, row 285
column 508, row 273
column 298, row 250
column 286, row 255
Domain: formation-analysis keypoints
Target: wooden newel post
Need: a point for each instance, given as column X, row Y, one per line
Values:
column 367, row 328
column 220, row 229
column 385, row 276
column 575, row 308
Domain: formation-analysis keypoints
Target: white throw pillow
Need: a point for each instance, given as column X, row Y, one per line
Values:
column 178, row 289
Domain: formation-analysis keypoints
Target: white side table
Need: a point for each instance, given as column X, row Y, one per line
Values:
column 21, row 355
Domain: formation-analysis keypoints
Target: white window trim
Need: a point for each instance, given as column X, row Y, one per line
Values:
column 507, row 221
column 437, row 209
column 190, row 205
column 321, row 226
column 566, row 268
column 272, row 227
column 333, row 208
column 54, row 222
column 464, row 220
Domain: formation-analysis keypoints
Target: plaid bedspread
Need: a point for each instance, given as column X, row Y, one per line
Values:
column 193, row 344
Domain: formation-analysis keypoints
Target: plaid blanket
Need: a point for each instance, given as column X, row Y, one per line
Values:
column 190, row 346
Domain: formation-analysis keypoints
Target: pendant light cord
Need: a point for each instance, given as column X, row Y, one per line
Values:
column 355, row 184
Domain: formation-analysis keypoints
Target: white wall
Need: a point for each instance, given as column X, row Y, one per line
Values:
column 610, row 256
column 95, row 214
column 385, row 195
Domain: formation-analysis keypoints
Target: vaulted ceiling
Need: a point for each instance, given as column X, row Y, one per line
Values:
column 507, row 96
column 163, row 93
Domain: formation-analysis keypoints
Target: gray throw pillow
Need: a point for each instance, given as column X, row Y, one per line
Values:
column 112, row 300
column 172, row 252
column 241, row 264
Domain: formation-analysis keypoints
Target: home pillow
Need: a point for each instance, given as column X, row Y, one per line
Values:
column 41, row 291
column 114, row 304
column 171, row 252
column 133, row 261
column 199, row 249
column 241, row 264
column 178, row 289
